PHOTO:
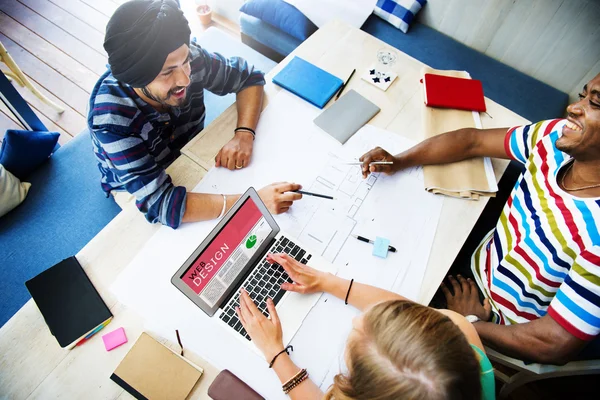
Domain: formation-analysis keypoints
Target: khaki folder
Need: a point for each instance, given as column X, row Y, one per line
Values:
column 464, row 179
column 152, row 371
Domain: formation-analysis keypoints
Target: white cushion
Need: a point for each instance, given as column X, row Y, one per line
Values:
column 12, row 191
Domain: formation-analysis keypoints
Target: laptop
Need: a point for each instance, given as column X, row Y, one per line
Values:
column 233, row 256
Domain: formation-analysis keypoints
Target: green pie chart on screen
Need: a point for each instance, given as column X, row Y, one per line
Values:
column 251, row 241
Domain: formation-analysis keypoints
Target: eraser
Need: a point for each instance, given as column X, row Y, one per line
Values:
column 380, row 247
column 114, row 339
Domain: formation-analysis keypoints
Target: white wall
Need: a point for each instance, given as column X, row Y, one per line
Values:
column 555, row 41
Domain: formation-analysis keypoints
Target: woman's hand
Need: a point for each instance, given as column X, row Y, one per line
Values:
column 306, row 279
column 265, row 333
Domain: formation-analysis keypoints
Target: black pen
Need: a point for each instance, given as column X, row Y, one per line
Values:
column 323, row 196
column 344, row 85
column 364, row 239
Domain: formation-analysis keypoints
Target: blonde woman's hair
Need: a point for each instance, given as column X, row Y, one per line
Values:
column 408, row 351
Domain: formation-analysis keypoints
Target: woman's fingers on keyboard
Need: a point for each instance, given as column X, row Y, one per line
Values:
column 246, row 303
column 273, row 312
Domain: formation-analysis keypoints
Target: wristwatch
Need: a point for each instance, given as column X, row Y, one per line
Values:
column 472, row 318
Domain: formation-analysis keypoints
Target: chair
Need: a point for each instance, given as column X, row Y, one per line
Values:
column 527, row 373
column 19, row 77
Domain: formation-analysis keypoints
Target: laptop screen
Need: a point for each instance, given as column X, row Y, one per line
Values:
column 218, row 266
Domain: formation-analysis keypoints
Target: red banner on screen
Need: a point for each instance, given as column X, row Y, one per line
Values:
column 224, row 244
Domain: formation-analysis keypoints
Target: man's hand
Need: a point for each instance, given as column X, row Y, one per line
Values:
column 378, row 154
column 265, row 333
column 306, row 279
column 465, row 299
column 279, row 197
column 237, row 152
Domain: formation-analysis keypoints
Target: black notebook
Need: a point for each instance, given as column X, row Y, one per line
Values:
column 69, row 303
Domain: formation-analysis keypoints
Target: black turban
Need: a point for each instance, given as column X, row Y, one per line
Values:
column 139, row 37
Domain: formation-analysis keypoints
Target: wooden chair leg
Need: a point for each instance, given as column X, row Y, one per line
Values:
column 20, row 77
column 10, row 76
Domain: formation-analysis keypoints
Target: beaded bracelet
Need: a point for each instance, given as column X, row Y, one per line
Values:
column 299, row 381
column 243, row 128
column 295, row 380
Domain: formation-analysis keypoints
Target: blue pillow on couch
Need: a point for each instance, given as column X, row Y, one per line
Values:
column 23, row 151
column 281, row 15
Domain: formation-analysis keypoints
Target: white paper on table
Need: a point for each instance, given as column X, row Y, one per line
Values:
column 487, row 162
column 285, row 136
column 320, row 12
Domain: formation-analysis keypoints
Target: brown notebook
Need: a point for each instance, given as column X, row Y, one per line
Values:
column 152, row 371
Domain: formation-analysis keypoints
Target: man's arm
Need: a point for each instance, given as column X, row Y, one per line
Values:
column 445, row 148
column 203, row 207
column 542, row 340
column 277, row 197
column 249, row 105
column 239, row 150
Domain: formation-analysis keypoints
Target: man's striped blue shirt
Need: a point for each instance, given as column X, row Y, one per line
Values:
column 134, row 143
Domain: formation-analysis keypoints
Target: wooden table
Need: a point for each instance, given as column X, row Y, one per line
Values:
column 32, row 365
column 338, row 48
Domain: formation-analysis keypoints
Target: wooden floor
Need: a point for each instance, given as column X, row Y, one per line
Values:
column 58, row 45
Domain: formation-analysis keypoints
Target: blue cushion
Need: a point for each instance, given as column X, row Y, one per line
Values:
column 515, row 90
column 23, row 151
column 64, row 210
column 281, row 15
column 267, row 35
column 399, row 13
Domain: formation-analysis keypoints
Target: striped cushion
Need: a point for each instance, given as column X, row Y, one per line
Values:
column 399, row 13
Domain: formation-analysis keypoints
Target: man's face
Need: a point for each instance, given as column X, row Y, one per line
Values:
column 169, row 88
column 581, row 135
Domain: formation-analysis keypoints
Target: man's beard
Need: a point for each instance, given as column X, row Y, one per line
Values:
column 163, row 101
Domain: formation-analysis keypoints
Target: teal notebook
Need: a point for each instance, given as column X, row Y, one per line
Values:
column 308, row 81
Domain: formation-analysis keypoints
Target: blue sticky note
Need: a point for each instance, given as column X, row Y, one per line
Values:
column 380, row 248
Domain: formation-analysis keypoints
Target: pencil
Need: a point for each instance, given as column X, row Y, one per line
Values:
column 315, row 194
column 371, row 163
column 344, row 85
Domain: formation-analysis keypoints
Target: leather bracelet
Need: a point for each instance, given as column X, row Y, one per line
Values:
column 348, row 292
column 296, row 383
column 224, row 207
column 243, row 128
column 295, row 380
column 290, row 347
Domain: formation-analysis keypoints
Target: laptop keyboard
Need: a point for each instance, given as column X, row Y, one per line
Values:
column 264, row 282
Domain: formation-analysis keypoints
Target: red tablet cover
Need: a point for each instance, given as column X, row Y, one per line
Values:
column 449, row 92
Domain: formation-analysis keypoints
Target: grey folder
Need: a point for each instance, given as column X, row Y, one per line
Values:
column 346, row 116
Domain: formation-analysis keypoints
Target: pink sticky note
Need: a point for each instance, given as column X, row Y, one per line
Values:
column 114, row 339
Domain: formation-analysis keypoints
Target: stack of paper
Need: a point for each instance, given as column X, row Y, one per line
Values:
column 467, row 179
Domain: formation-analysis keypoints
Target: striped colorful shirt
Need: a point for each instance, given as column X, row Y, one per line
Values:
column 543, row 257
column 134, row 143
